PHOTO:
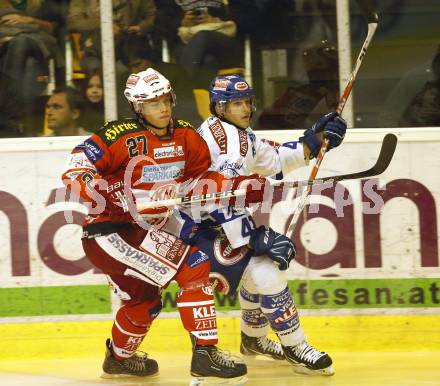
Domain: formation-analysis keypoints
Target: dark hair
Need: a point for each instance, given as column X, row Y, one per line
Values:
column 95, row 72
column 73, row 97
column 85, row 84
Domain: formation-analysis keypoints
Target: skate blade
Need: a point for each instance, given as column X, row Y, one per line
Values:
column 202, row 381
column 300, row 369
column 262, row 361
column 122, row 376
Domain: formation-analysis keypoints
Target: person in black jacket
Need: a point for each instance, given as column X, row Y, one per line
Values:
column 424, row 108
column 28, row 39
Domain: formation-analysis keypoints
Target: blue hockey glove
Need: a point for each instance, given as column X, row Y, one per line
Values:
column 265, row 241
column 332, row 126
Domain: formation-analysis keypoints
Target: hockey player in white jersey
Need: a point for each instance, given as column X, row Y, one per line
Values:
column 264, row 296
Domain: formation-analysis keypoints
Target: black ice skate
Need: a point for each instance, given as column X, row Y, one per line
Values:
column 210, row 366
column 308, row 360
column 254, row 349
column 137, row 365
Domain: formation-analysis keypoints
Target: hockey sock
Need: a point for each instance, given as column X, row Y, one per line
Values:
column 283, row 317
column 253, row 321
column 197, row 312
column 131, row 324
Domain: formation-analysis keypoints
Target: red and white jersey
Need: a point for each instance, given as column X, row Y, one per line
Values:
column 237, row 152
column 155, row 165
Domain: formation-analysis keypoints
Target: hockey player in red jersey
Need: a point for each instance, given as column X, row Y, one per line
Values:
column 149, row 155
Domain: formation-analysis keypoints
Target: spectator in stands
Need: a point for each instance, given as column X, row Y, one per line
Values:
column 424, row 108
column 265, row 21
column 168, row 18
column 295, row 107
column 92, row 116
column 130, row 18
column 63, row 110
column 28, row 38
column 207, row 40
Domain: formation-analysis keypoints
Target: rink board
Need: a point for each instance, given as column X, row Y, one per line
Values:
column 67, row 339
column 311, row 295
column 349, row 260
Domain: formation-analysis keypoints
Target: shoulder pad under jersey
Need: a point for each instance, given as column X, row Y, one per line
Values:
column 181, row 124
column 114, row 130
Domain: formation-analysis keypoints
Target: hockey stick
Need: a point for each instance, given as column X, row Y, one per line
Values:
column 386, row 153
column 372, row 19
column 387, row 149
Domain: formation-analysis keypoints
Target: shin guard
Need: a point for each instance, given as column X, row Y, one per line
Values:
column 253, row 321
column 197, row 312
column 283, row 317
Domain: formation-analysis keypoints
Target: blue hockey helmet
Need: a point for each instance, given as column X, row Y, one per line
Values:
column 226, row 88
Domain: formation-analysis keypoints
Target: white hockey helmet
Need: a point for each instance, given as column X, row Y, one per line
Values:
column 146, row 85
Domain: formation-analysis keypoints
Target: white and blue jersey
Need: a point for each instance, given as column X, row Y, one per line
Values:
column 236, row 152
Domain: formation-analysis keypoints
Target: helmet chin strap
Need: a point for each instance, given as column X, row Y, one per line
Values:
column 146, row 122
column 233, row 124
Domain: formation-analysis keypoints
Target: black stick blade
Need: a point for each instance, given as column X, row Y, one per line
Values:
column 386, row 154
